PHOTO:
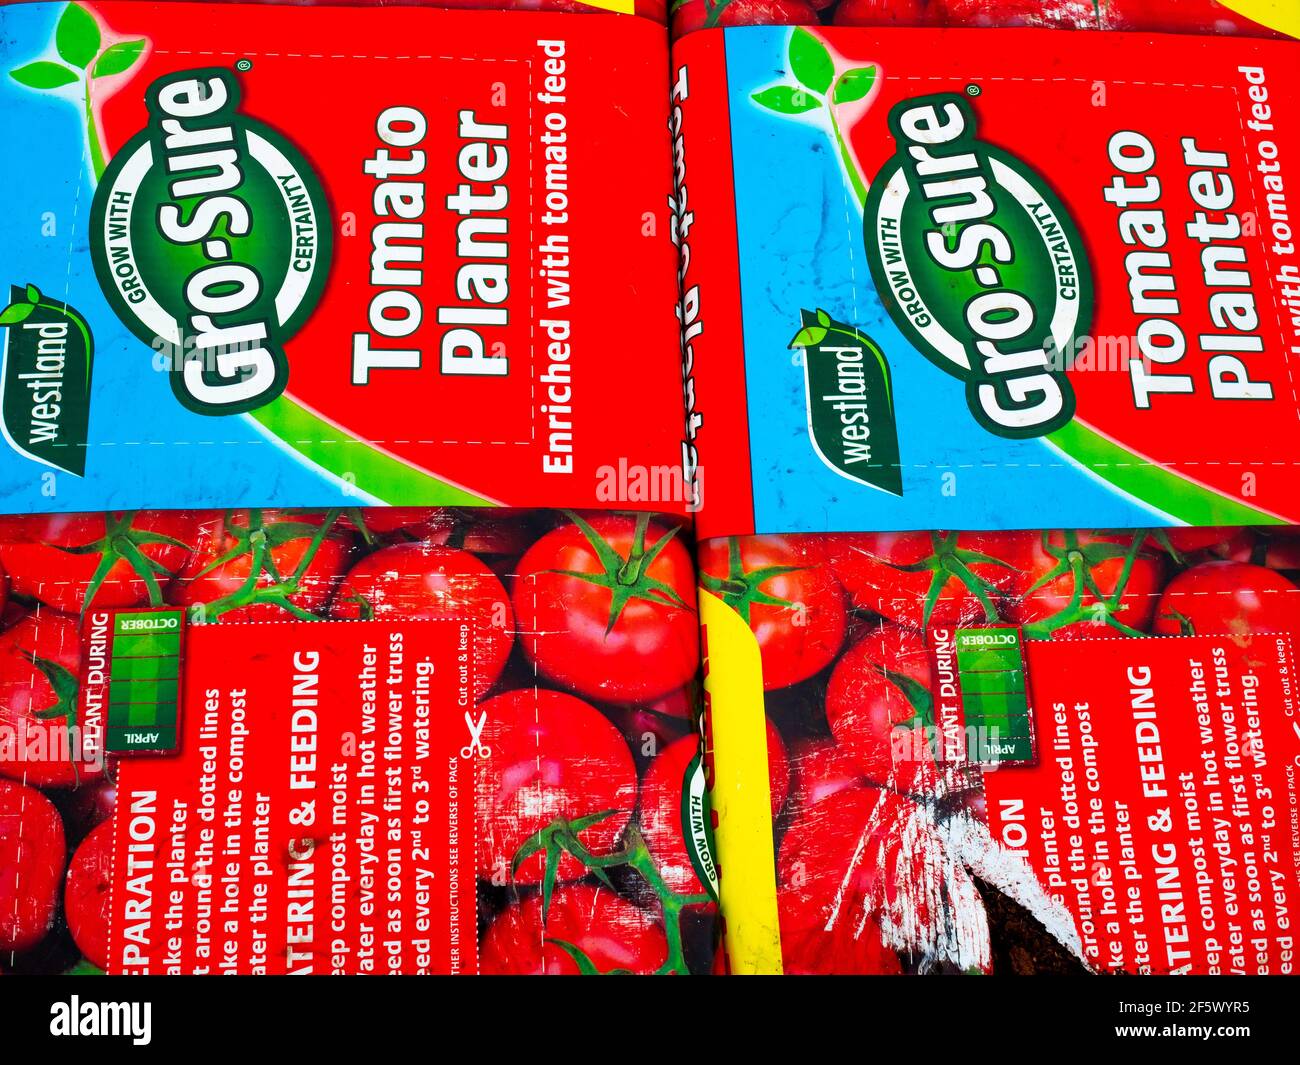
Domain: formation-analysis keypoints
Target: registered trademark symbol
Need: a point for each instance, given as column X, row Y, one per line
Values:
column 247, row 64
column 972, row 90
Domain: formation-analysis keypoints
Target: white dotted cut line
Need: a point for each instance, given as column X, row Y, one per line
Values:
column 1042, row 596
column 338, row 55
column 1172, row 465
column 245, row 624
column 313, row 441
column 537, row 730
column 895, row 601
column 1085, row 640
column 1077, row 80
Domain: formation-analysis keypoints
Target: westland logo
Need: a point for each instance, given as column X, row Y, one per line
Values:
column 210, row 237
column 986, row 270
column 45, row 383
column 850, row 395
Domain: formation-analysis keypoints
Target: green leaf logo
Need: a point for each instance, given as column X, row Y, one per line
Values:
column 24, row 301
column 787, row 100
column 77, row 41
column 76, row 37
column 43, row 75
column 854, row 85
column 809, row 336
column 813, row 69
column 813, row 332
column 118, row 58
column 810, row 63
column 16, row 312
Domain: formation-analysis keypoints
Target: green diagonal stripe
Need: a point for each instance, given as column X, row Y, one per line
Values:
column 1161, row 488
column 349, row 457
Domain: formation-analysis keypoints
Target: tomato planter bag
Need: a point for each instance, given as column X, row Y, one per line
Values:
column 1011, row 752
column 1017, row 277
column 332, row 275
column 288, row 263
column 1057, row 751
column 1227, row 17
column 383, row 741
column 467, row 732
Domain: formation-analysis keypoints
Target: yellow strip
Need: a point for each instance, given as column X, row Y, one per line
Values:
column 623, row 7
column 741, row 796
column 1283, row 15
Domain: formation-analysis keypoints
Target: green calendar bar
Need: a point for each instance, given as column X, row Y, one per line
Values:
column 991, row 672
column 144, row 680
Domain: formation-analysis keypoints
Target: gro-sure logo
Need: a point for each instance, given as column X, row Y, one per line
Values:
column 209, row 236
column 979, row 265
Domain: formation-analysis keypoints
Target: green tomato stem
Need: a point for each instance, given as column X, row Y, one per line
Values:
column 98, row 164
column 846, row 157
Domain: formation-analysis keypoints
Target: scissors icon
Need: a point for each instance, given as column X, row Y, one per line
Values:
column 475, row 745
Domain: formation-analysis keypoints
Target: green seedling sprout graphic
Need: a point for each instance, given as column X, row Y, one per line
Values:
column 20, row 310
column 83, row 58
column 816, row 86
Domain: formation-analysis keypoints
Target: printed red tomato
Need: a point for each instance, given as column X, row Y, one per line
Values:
column 419, row 582
column 794, row 605
column 493, row 531
column 1281, row 552
column 647, row 732
column 1234, row 599
column 606, row 932
column 263, row 565
column 568, row 6
column 662, row 789
column 87, row 894
column 70, row 561
column 12, row 612
column 680, row 703
column 821, row 769
column 384, row 521
column 1181, row 542
column 869, row 853
column 699, row 14
column 88, row 805
column 32, row 853
column 1176, row 16
column 1074, row 584
column 551, row 757
column 832, row 867
column 40, row 662
column 1051, row 14
column 924, row 578
column 820, row 850
column 878, row 700
column 597, row 599
column 849, row 947
column 881, row 13
column 1277, row 547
